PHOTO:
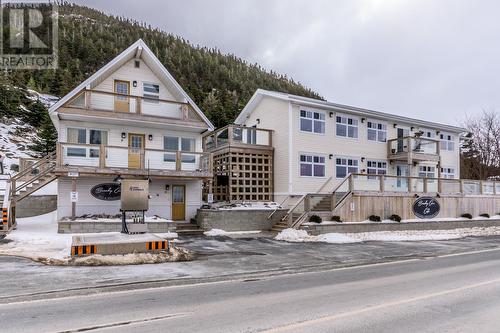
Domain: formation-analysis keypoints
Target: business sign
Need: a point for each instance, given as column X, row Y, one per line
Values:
column 426, row 208
column 106, row 191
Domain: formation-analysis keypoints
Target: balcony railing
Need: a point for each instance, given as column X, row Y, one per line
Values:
column 234, row 135
column 413, row 148
column 130, row 104
column 388, row 183
column 102, row 156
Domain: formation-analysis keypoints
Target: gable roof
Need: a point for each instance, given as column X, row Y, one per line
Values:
column 138, row 49
column 311, row 102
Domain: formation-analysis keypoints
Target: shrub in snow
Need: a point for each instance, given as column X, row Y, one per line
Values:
column 336, row 218
column 374, row 218
column 485, row 215
column 395, row 217
column 315, row 219
column 466, row 215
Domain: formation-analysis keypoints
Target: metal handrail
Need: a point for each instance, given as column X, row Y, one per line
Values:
column 280, row 205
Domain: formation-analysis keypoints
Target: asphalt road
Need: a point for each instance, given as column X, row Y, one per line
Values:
column 218, row 258
column 453, row 293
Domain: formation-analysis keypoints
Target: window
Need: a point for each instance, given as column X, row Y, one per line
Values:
column 187, row 144
column 175, row 143
column 347, row 127
column 425, row 171
column 377, row 131
column 312, row 121
column 448, row 173
column 447, row 142
column 151, row 92
column 312, row 165
column 77, row 135
column 428, row 133
column 98, row 137
column 345, row 166
column 376, row 168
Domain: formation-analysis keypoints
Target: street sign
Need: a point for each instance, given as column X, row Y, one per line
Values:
column 74, row 196
column 210, row 198
column 73, row 174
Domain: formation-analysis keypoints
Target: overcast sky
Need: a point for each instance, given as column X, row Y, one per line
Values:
column 431, row 59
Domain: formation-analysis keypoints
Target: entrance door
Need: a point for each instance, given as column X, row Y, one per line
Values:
column 178, row 202
column 402, row 170
column 122, row 103
column 402, row 132
column 135, row 150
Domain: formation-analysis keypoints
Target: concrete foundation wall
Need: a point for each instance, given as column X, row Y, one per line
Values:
column 383, row 226
column 34, row 205
column 69, row 227
column 238, row 220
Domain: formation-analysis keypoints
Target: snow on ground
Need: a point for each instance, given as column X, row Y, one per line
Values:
column 36, row 238
column 154, row 218
column 245, row 206
column 15, row 138
column 220, row 232
column 292, row 235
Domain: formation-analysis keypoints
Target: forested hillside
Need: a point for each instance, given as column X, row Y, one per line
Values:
column 220, row 84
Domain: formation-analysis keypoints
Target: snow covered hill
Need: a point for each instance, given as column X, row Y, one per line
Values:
column 16, row 136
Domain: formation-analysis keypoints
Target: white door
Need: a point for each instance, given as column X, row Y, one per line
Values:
column 402, row 170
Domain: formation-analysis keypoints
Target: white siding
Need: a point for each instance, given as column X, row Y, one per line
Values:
column 160, row 203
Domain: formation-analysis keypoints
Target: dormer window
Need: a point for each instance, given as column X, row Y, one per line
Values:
column 151, row 92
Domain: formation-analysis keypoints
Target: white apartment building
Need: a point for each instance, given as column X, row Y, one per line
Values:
column 317, row 144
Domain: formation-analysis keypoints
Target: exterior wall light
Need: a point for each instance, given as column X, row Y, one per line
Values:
column 331, row 114
column 363, row 120
column 124, row 135
column 150, row 137
column 330, row 156
column 167, row 187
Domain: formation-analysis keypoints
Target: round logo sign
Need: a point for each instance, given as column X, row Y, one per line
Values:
column 426, row 208
column 106, row 191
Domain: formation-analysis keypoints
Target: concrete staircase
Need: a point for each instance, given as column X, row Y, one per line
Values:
column 188, row 229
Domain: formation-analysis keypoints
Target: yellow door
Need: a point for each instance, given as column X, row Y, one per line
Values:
column 178, row 202
column 122, row 103
column 135, row 151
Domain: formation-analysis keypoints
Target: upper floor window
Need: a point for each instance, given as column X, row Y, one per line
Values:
column 425, row 171
column 179, row 144
column 347, row 127
column 312, row 165
column 98, row 137
column 376, row 168
column 447, row 142
column 77, row 135
column 428, row 133
column 345, row 166
column 312, row 121
column 377, row 131
column 448, row 173
column 151, row 92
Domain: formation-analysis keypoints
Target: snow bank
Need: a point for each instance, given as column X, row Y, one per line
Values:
column 292, row 235
column 220, row 232
column 36, row 238
column 257, row 205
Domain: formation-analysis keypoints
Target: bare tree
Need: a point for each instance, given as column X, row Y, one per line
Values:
column 481, row 148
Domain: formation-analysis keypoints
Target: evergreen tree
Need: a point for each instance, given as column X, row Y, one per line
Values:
column 47, row 138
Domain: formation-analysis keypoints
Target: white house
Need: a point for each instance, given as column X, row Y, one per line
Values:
column 318, row 143
column 130, row 119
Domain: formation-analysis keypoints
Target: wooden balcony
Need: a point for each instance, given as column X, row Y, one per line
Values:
column 410, row 149
column 123, row 109
column 238, row 137
column 117, row 160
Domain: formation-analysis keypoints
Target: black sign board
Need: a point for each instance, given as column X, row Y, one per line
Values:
column 426, row 208
column 106, row 191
